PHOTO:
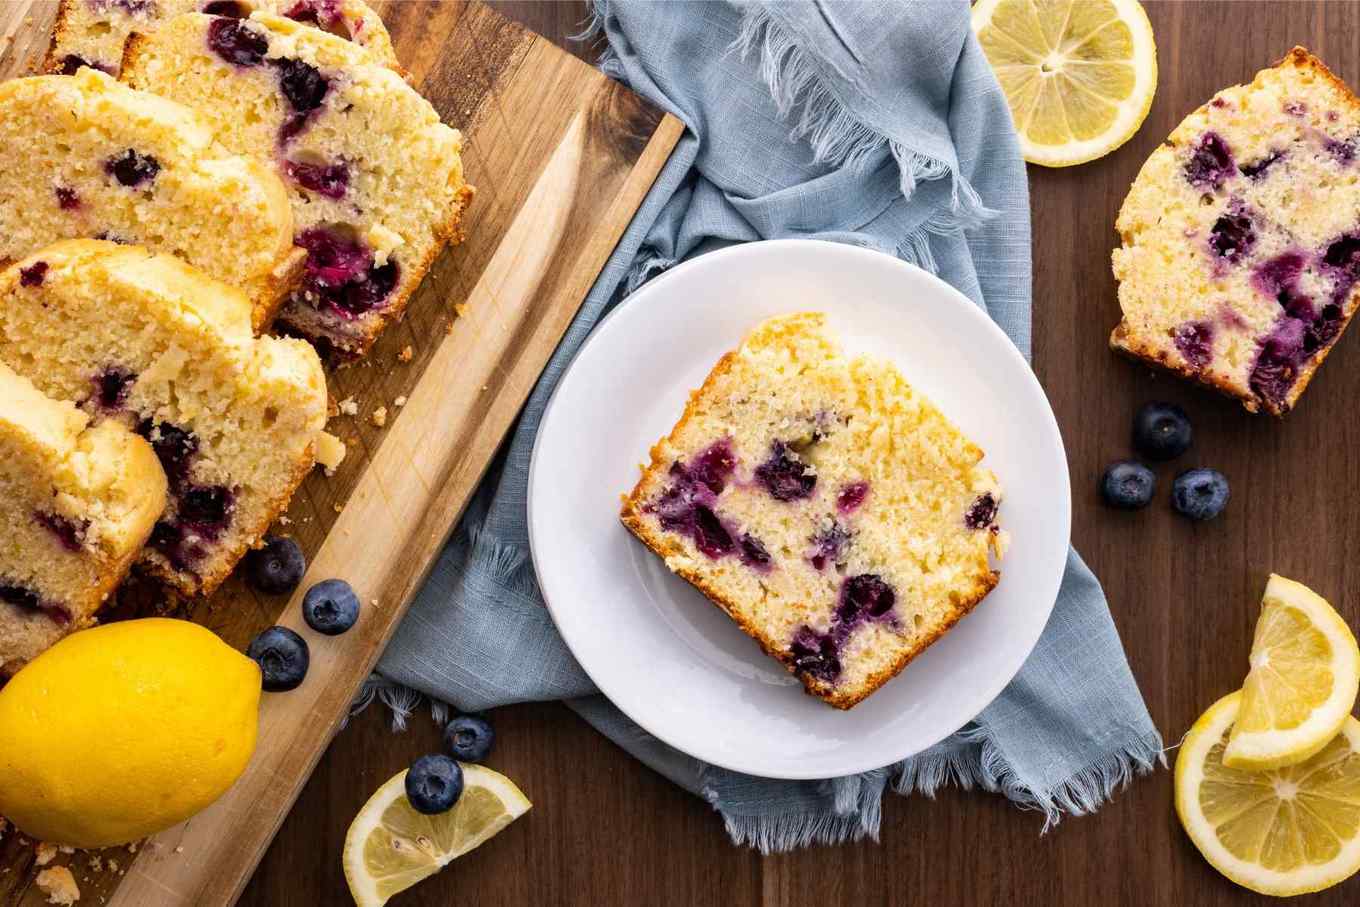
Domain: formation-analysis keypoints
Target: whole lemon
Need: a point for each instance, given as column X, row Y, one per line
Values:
column 123, row 730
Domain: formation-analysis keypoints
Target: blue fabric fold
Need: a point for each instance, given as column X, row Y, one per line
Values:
column 876, row 124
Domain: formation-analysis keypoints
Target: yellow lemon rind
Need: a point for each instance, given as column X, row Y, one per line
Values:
column 1207, row 731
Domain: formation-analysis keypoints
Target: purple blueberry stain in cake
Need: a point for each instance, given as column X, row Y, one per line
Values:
column 1210, row 163
column 754, row 555
column 785, row 477
column 714, row 465
column 815, row 654
column 864, row 597
column 686, row 505
column 341, row 274
column 23, row 597
column 67, row 199
column 301, row 83
column 130, row 7
column 1295, row 108
column 238, row 43
column 1344, row 255
column 1277, row 362
column 1232, row 235
column 1195, row 342
column 132, row 169
column 710, row 535
column 1257, row 168
column 111, row 388
column 174, row 446
column 982, row 512
column 207, row 509
column 330, row 180
column 33, row 275
column 1229, row 317
column 851, row 497
column 828, row 545
column 1341, row 149
column 71, row 64
column 232, row 9
column 69, row 533
column 323, row 14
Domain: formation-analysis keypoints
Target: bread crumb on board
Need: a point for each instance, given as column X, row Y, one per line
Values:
column 379, row 416
column 406, row 354
column 46, row 853
column 330, row 452
column 399, row 402
column 348, row 407
column 59, row 886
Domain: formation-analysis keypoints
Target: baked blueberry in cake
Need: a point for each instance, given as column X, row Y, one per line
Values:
column 85, row 156
column 376, row 180
column 833, row 512
column 148, row 342
column 77, row 502
column 93, row 32
column 1240, row 250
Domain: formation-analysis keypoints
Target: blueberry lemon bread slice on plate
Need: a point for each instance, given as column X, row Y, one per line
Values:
column 833, row 512
column 376, row 179
column 1240, row 250
column 149, row 341
column 85, row 156
column 76, row 505
column 93, row 32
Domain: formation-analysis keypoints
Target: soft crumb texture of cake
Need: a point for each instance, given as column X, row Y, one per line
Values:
column 376, row 179
column 149, row 341
column 85, row 156
column 830, row 510
column 1241, row 237
column 59, row 886
column 76, row 505
column 93, row 32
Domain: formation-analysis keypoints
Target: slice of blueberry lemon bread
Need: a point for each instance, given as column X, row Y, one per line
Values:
column 376, row 179
column 149, row 341
column 76, row 505
column 93, row 32
column 1240, row 250
column 835, row 514
column 85, row 156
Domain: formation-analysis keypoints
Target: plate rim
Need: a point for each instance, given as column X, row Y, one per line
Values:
column 757, row 247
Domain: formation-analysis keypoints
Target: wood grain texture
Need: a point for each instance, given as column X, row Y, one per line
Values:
column 561, row 157
column 607, row 830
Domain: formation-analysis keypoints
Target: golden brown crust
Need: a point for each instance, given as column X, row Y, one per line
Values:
column 1122, row 341
column 665, row 546
column 50, row 64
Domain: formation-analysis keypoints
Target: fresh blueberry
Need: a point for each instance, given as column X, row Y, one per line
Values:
column 433, row 784
column 277, row 567
column 468, row 738
column 283, row 658
column 1200, row 494
column 330, row 607
column 1128, row 485
column 1161, row 431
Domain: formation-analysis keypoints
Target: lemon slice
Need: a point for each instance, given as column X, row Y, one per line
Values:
column 1281, row 832
column 1305, row 670
column 1079, row 75
column 390, row 846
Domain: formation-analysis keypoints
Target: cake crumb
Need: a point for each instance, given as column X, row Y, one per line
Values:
column 46, row 854
column 406, row 354
column 330, row 452
column 113, row 865
column 285, row 519
column 66, row 848
column 96, row 863
column 379, row 416
column 338, row 507
column 461, row 308
column 132, row 848
column 399, row 402
column 59, row 886
column 348, row 407
column 179, row 849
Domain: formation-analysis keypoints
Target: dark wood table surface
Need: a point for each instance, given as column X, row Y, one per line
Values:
column 606, row 830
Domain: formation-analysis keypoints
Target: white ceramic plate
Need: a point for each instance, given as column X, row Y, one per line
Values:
column 665, row 655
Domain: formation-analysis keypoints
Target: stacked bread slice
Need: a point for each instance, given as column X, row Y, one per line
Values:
column 257, row 158
column 77, row 502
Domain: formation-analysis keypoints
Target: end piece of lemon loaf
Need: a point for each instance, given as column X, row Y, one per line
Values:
column 376, row 179
column 149, row 341
column 834, row 513
column 93, row 32
column 76, row 505
column 1240, row 252
column 86, row 156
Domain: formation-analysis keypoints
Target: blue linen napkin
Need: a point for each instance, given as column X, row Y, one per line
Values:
column 877, row 124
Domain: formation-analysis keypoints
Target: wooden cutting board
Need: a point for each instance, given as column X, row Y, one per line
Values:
column 561, row 158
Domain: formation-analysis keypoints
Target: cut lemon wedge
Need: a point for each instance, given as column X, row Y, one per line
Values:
column 1079, row 75
column 1281, row 832
column 1305, row 671
column 391, row 847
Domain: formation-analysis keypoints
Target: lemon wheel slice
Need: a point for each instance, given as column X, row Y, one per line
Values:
column 1281, row 832
column 390, row 846
column 1305, row 671
column 1079, row 75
